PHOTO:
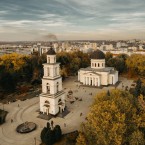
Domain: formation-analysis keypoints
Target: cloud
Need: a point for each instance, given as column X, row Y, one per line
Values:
column 3, row 12
column 70, row 18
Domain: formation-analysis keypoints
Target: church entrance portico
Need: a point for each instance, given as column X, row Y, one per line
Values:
column 45, row 110
column 61, row 106
column 46, row 107
column 91, row 81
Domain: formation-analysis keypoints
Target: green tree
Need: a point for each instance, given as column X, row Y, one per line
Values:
column 123, row 56
column 71, row 62
column 49, row 137
column 118, row 63
column 48, row 126
column 43, row 132
column 57, row 133
column 108, row 56
column 8, row 82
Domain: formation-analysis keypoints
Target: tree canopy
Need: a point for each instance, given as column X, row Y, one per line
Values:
column 113, row 120
column 119, row 62
column 136, row 64
column 71, row 62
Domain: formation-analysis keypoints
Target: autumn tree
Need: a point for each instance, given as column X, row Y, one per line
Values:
column 11, row 70
column 135, row 64
column 137, row 90
column 112, row 120
column 12, row 62
column 71, row 62
column 137, row 138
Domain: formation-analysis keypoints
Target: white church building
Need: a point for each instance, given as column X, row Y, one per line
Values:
column 97, row 74
column 52, row 98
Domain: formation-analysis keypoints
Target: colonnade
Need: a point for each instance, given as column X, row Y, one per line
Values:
column 92, row 81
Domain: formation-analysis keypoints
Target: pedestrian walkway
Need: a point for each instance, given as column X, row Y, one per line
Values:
column 22, row 111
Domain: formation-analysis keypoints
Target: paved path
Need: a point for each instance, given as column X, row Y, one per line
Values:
column 28, row 111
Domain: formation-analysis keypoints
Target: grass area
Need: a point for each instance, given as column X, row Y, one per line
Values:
column 22, row 94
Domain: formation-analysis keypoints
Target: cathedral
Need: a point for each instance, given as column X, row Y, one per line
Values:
column 97, row 74
column 52, row 98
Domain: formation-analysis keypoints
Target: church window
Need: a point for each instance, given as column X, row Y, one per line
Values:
column 48, row 88
column 57, row 87
column 59, row 102
column 98, row 65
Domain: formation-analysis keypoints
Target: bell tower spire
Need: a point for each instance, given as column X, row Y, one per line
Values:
column 52, row 91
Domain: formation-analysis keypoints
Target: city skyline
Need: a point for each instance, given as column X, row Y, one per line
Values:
column 71, row 19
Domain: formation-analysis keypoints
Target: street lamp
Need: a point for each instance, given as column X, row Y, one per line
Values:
column 3, row 106
column 35, row 140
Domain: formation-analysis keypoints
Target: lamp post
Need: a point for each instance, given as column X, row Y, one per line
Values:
column 3, row 106
column 35, row 140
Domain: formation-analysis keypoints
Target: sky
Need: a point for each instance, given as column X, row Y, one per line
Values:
column 33, row 20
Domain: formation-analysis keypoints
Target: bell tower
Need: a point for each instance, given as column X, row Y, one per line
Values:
column 52, row 98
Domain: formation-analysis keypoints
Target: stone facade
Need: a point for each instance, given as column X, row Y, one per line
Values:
column 52, row 98
column 98, row 74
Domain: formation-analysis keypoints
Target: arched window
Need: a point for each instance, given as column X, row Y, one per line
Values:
column 57, row 87
column 95, row 64
column 48, row 88
column 47, row 104
column 59, row 102
column 98, row 65
column 102, row 64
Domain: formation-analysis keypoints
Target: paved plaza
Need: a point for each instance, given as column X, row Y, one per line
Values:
column 28, row 110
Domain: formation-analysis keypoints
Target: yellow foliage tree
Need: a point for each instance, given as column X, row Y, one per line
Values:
column 81, row 139
column 136, row 63
column 112, row 119
column 137, row 138
column 12, row 62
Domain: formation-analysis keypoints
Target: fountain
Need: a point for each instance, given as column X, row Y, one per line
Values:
column 26, row 127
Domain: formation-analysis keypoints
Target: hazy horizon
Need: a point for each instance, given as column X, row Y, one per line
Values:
column 35, row 20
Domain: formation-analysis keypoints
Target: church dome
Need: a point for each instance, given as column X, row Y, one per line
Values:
column 51, row 51
column 98, row 54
